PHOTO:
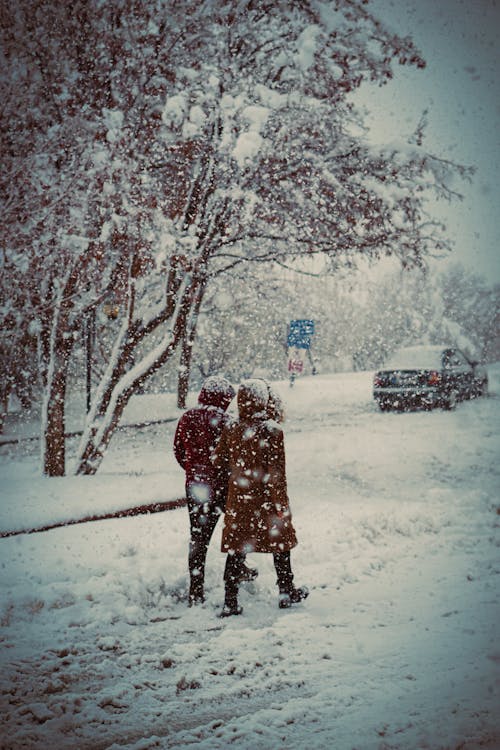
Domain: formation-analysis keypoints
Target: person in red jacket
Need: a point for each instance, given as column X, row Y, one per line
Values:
column 196, row 436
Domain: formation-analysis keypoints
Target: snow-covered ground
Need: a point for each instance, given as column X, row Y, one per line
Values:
column 396, row 647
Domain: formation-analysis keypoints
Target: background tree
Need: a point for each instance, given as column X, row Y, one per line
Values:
column 243, row 324
column 360, row 318
column 473, row 305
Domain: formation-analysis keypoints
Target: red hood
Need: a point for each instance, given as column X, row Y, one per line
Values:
column 216, row 391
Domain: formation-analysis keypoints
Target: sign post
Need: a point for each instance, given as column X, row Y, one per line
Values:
column 300, row 333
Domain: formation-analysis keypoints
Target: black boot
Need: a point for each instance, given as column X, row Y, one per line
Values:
column 288, row 593
column 231, row 603
column 292, row 596
column 232, row 575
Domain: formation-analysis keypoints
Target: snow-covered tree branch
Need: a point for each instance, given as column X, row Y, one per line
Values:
column 146, row 137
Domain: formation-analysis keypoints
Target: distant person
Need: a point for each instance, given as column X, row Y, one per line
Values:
column 258, row 518
column 196, row 435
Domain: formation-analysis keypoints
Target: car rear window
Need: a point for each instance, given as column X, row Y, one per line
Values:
column 415, row 358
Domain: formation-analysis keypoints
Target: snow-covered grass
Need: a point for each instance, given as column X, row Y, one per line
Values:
column 396, row 647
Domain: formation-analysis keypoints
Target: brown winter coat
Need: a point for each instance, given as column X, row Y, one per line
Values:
column 252, row 452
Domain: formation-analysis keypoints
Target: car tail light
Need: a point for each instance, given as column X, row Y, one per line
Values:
column 433, row 378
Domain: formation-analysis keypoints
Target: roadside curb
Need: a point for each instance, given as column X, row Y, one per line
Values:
column 77, row 433
column 139, row 510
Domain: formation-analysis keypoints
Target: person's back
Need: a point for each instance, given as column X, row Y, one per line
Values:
column 196, row 435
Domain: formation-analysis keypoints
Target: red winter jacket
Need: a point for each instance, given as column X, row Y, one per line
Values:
column 197, row 433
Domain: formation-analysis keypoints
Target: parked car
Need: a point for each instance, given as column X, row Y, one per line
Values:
column 428, row 376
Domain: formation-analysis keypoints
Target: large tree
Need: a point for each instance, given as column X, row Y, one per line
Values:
column 160, row 143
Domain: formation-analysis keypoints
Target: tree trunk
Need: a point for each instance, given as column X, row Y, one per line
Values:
column 111, row 400
column 57, row 344
column 53, row 414
column 187, row 352
column 100, row 433
column 184, row 371
column 98, row 440
column 54, row 453
column 4, row 406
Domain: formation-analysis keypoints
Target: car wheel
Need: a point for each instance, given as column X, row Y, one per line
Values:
column 450, row 401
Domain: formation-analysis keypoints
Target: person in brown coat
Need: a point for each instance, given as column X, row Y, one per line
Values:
column 258, row 518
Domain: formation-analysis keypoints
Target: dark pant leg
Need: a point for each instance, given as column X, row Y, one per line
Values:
column 234, row 565
column 232, row 574
column 283, row 567
column 203, row 520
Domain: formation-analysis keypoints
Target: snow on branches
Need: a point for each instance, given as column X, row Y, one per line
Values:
column 150, row 146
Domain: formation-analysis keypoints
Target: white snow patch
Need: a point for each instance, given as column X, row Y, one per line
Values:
column 396, row 646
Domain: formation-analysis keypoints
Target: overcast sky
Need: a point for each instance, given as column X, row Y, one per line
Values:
column 460, row 88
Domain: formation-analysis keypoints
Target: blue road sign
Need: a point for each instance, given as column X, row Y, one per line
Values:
column 300, row 333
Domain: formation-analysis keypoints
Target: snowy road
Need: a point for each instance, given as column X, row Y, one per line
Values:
column 396, row 647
